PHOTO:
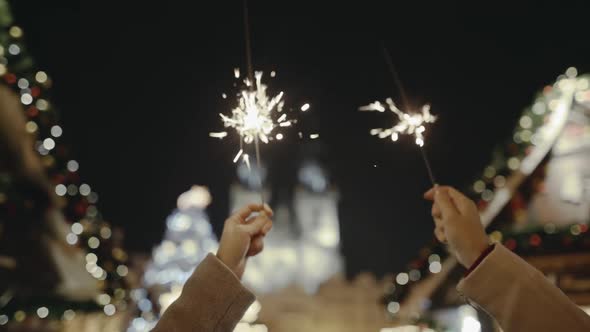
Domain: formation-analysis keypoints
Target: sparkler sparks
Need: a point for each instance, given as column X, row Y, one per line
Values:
column 256, row 116
column 409, row 124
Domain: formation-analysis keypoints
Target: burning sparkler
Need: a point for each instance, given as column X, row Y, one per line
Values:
column 257, row 117
column 409, row 124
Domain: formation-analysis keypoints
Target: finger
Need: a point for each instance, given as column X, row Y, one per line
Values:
column 258, row 225
column 256, row 246
column 461, row 201
column 443, row 200
column 268, row 211
column 435, row 211
column 437, row 216
column 266, row 227
column 439, row 233
column 247, row 210
column 429, row 195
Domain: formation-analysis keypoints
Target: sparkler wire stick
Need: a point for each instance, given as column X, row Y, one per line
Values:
column 256, row 114
column 248, row 46
column 428, row 168
column 400, row 86
column 393, row 71
column 256, row 145
column 252, row 82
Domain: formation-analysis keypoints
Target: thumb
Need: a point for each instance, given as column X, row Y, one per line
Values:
column 259, row 224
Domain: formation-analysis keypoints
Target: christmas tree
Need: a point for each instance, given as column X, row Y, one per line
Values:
column 59, row 257
column 188, row 239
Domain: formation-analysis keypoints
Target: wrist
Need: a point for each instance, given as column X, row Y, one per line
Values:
column 223, row 259
column 227, row 261
column 479, row 259
column 475, row 254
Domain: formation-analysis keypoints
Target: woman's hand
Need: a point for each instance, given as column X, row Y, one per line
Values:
column 457, row 224
column 243, row 236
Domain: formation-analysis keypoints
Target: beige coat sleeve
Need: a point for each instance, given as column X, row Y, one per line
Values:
column 212, row 300
column 519, row 297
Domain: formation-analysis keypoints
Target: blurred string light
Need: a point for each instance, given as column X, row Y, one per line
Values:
column 43, row 312
column 468, row 318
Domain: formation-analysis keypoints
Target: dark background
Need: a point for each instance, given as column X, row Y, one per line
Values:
column 139, row 86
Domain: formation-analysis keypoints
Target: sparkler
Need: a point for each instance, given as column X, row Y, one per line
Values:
column 253, row 118
column 257, row 116
column 409, row 123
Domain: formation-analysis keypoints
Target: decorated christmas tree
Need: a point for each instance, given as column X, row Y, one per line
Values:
column 59, row 259
column 188, row 239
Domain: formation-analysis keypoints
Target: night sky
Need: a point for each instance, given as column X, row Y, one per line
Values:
column 139, row 87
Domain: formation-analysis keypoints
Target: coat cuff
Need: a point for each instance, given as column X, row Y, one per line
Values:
column 483, row 255
column 499, row 264
column 214, row 285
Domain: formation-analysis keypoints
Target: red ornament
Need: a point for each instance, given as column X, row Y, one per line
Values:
column 35, row 91
column 416, row 264
column 535, row 240
column 510, row 244
column 58, row 178
column 81, row 208
column 32, row 112
column 518, row 202
column 481, row 204
column 10, row 78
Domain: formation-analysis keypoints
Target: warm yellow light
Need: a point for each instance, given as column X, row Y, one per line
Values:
column 31, row 127
column 41, row 77
column 15, row 32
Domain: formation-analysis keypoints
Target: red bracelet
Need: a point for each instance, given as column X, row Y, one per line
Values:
column 479, row 259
